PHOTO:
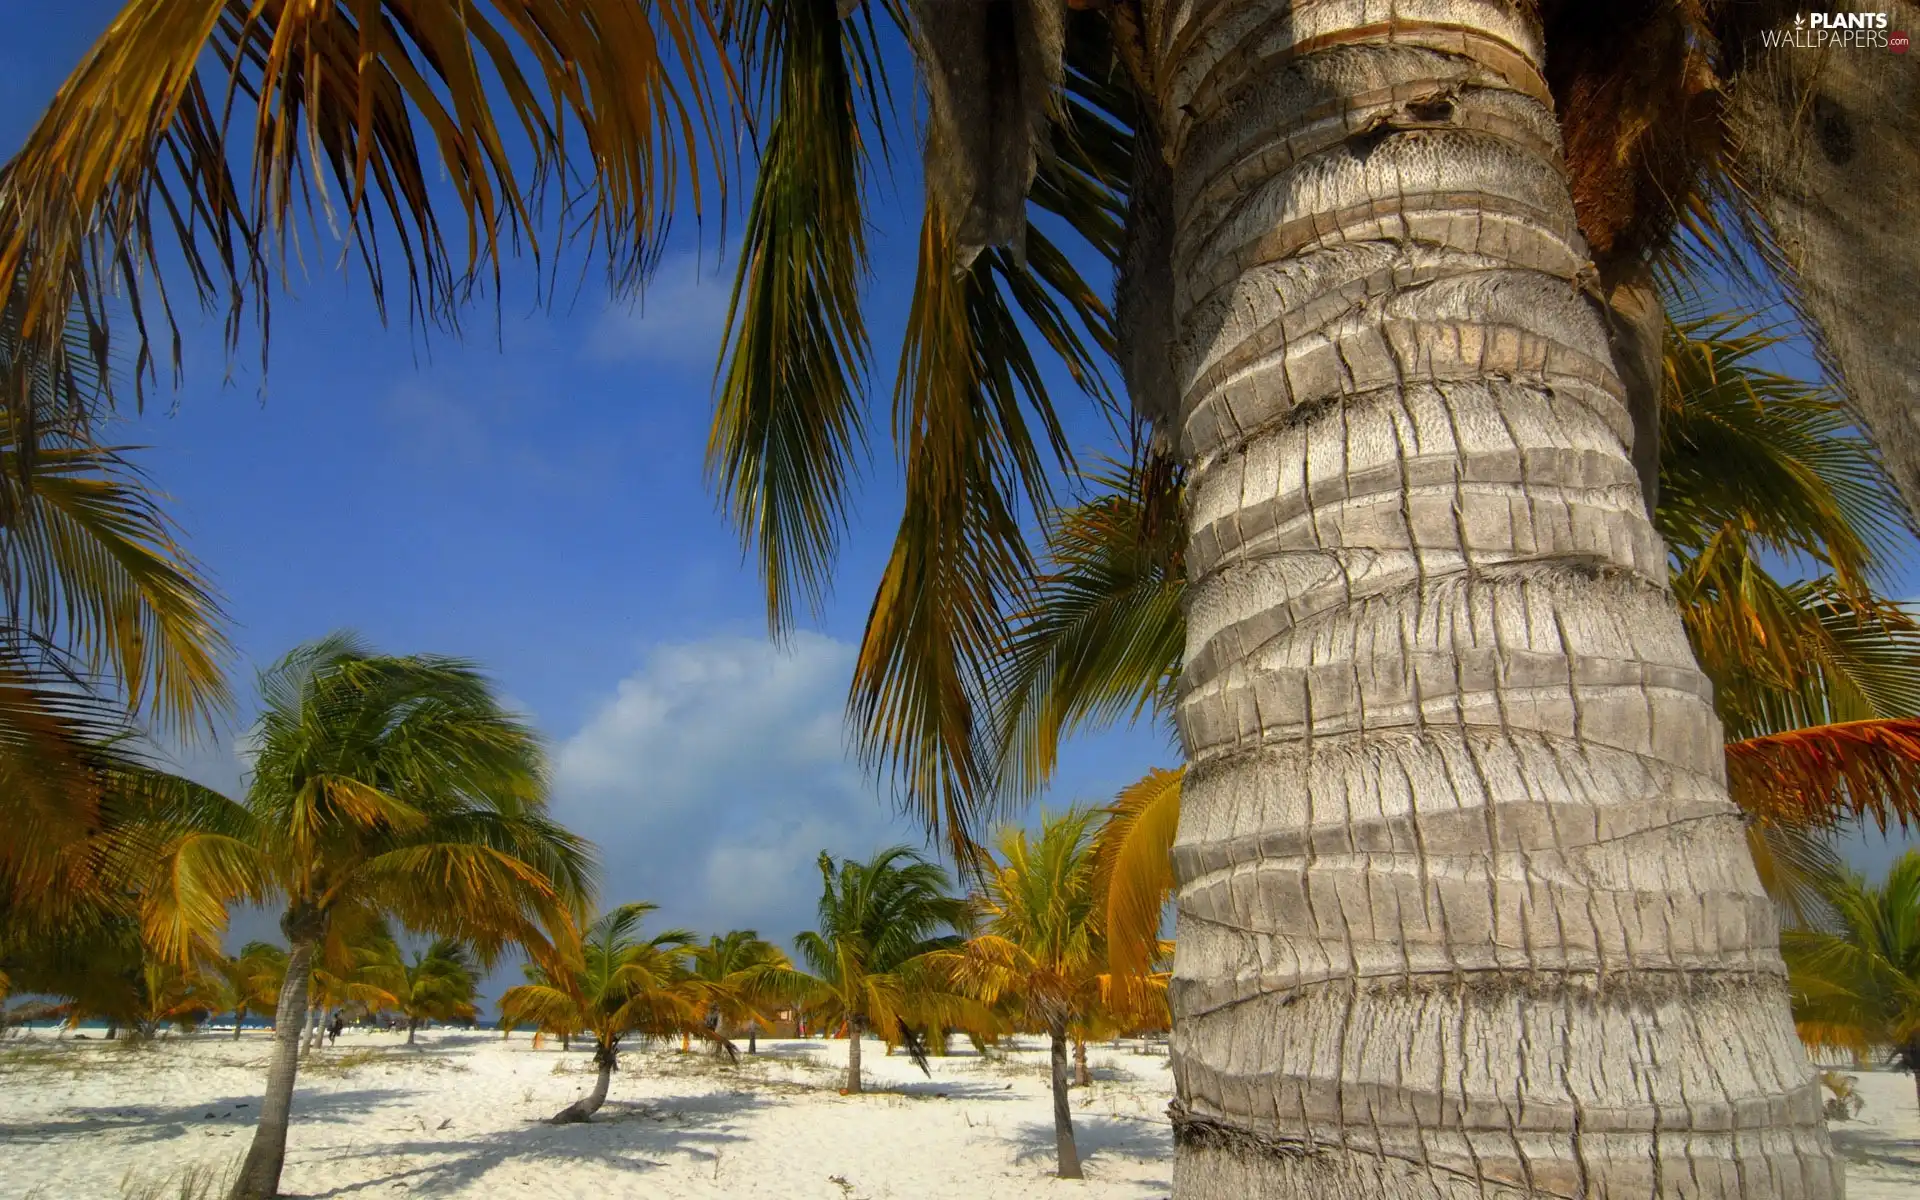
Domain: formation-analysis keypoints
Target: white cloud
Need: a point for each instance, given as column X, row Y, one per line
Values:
column 678, row 318
column 715, row 774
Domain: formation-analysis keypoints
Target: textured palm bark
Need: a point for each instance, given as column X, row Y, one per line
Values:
column 1082, row 1077
column 1066, row 1155
column 606, row 1058
column 259, row 1177
column 1463, row 908
column 855, row 1030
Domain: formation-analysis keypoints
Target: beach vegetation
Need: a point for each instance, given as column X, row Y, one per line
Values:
column 380, row 787
column 1387, row 291
column 872, row 965
column 1856, row 977
column 623, row 987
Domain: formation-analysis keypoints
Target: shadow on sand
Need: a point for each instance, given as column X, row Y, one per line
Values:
column 625, row 1136
column 157, row 1122
column 1097, row 1136
column 1875, row 1146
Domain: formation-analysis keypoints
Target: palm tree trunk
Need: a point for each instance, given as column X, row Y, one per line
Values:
column 753, row 1039
column 604, row 1057
column 1463, row 907
column 1081, row 1076
column 259, row 1177
column 566, row 1041
column 239, row 1019
column 853, row 1056
column 413, row 1025
column 1066, row 1154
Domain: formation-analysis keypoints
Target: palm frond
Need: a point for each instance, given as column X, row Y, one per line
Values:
column 1133, row 853
column 789, row 417
column 1814, row 777
column 331, row 102
column 960, row 559
column 1102, row 637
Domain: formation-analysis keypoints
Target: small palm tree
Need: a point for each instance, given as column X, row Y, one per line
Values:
column 739, row 967
column 381, row 787
column 1856, row 986
column 439, row 984
column 250, row 981
column 1040, row 948
column 872, row 964
column 622, row 988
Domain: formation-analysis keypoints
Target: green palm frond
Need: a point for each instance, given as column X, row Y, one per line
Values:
column 788, row 421
column 1770, row 456
column 1102, row 637
column 973, row 421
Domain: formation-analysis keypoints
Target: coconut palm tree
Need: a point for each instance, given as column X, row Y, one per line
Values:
column 737, row 967
column 1039, row 946
column 250, row 981
column 873, row 963
column 1856, row 985
column 1388, row 284
column 381, row 787
column 623, row 988
column 440, row 983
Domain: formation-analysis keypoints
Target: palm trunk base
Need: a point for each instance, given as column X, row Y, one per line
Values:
column 582, row 1110
column 1066, row 1152
column 1215, row 1162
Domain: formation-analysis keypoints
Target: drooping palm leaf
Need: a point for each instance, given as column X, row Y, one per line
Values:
column 787, row 421
column 1866, row 770
column 424, row 130
column 1133, row 854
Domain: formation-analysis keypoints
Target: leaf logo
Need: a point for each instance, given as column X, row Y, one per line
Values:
column 1799, row 20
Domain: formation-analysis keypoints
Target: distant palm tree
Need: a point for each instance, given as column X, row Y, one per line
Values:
column 439, row 984
column 1856, row 985
column 738, row 968
column 1040, row 947
column 622, row 988
column 380, row 787
column 250, row 980
column 871, row 963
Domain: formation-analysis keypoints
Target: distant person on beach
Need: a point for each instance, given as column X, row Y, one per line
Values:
column 333, row 1030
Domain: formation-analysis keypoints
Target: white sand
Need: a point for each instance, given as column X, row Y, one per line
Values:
column 460, row 1117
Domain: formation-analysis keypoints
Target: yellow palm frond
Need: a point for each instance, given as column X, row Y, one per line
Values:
column 1133, row 853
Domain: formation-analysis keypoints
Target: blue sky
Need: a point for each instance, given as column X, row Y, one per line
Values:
column 535, row 500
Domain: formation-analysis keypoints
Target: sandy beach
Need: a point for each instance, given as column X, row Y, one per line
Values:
column 460, row 1116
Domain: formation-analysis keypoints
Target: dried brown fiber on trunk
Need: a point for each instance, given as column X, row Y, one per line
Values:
column 1463, row 908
